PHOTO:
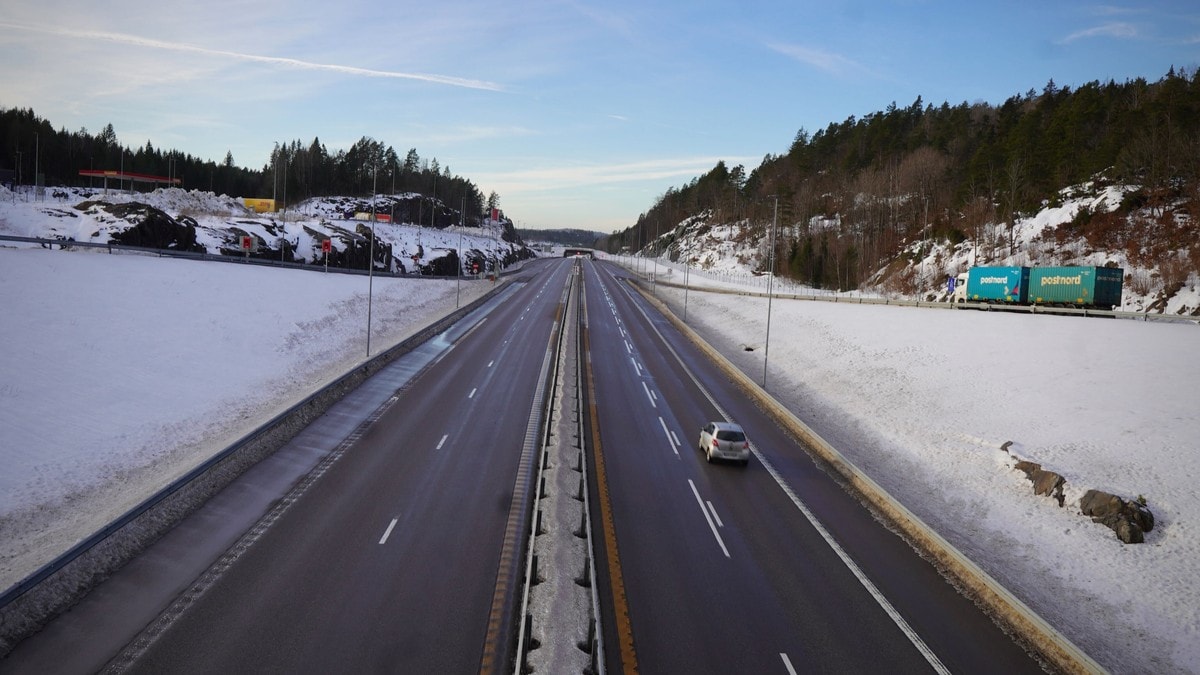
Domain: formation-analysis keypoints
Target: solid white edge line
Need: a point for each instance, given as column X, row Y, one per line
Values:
column 443, row 441
column 787, row 663
column 887, row 607
column 714, row 512
column 708, row 518
column 387, row 533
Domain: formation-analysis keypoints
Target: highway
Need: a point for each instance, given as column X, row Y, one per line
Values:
column 722, row 569
column 397, row 549
column 390, row 559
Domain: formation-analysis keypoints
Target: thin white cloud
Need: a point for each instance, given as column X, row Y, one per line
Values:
column 830, row 62
column 137, row 41
column 1118, row 29
column 596, row 175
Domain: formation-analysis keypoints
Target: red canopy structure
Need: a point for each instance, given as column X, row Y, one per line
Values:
column 128, row 176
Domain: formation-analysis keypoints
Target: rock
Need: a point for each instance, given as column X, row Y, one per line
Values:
column 1129, row 520
column 1050, row 484
column 1045, row 483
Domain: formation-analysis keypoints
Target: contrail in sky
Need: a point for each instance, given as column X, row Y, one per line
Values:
column 274, row 60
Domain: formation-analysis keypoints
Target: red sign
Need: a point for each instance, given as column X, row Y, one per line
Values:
column 247, row 242
column 327, row 245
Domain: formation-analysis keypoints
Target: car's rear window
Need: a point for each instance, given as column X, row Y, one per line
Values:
column 735, row 436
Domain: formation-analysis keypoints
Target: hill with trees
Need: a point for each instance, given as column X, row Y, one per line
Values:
column 296, row 171
column 853, row 198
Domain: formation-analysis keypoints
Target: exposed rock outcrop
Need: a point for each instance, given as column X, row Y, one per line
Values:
column 1045, row 483
column 1129, row 519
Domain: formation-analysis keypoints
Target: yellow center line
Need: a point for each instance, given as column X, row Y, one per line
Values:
column 617, row 581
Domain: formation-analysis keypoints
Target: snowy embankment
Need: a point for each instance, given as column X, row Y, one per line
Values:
column 922, row 399
column 121, row 372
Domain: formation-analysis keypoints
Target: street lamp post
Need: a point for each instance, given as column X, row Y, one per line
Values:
column 686, row 267
column 654, row 274
column 371, row 260
column 458, row 258
column 770, row 285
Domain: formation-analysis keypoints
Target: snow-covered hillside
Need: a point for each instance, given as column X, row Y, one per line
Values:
column 119, row 371
column 738, row 252
column 206, row 222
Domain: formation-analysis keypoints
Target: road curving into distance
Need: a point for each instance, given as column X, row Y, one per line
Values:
column 392, row 550
column 773, row 567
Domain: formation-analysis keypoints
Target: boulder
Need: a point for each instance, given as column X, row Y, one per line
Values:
column 1130, row 520
column 1045, row 483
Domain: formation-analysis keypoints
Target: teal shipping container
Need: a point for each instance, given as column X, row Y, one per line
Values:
column 1077, row 286
column 998, row 284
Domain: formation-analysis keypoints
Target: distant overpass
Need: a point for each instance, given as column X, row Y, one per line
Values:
column 568, row 252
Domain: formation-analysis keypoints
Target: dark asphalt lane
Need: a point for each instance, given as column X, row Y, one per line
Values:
column 722, row 570
column 388, row 562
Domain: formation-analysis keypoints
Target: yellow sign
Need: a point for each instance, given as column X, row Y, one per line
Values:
column 259, row 205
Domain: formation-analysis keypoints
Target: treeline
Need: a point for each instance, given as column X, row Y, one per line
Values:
column 563, row 237
column 852, row 195
column 295, row 171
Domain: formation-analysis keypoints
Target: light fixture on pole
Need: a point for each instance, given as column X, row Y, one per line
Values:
column 686, row 265
column 371, row 260
column 458, row 273
column 770, row 285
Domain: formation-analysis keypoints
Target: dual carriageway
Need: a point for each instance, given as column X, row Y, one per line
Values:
column 400, row 548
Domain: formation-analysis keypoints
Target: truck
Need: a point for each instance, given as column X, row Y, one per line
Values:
column 1090, row 287
column 993, row 284
column 1076, row 286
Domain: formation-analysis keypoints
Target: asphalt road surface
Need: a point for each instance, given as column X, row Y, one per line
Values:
column 388, row 562
column 721, row 568
column 380, row 539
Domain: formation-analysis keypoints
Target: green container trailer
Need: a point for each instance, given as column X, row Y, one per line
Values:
column 998, row 284
column 1076, row 286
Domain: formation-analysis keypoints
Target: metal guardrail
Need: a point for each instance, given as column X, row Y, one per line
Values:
column 16, row 623
column 972, row 581
column 984, row 306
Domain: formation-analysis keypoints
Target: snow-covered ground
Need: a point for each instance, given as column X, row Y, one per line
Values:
column 121, row 372
column 118, row 372
column 921, row 399
column 220, row 219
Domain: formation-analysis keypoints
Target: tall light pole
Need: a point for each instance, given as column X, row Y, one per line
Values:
column 458, row 273
column 770, row 285
column 654, row 274
column 37, row 156
column 371, row 258
column 686, row 266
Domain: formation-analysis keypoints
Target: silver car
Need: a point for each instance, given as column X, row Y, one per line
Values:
column 724, row 440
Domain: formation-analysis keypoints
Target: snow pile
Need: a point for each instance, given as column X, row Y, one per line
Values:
column 220, row 220
column 921, row 399
column 121, row 372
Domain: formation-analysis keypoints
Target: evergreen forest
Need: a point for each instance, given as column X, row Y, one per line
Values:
column 852, row 196
column 295, row 172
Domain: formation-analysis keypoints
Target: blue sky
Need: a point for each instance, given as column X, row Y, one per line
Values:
column 577, row 113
